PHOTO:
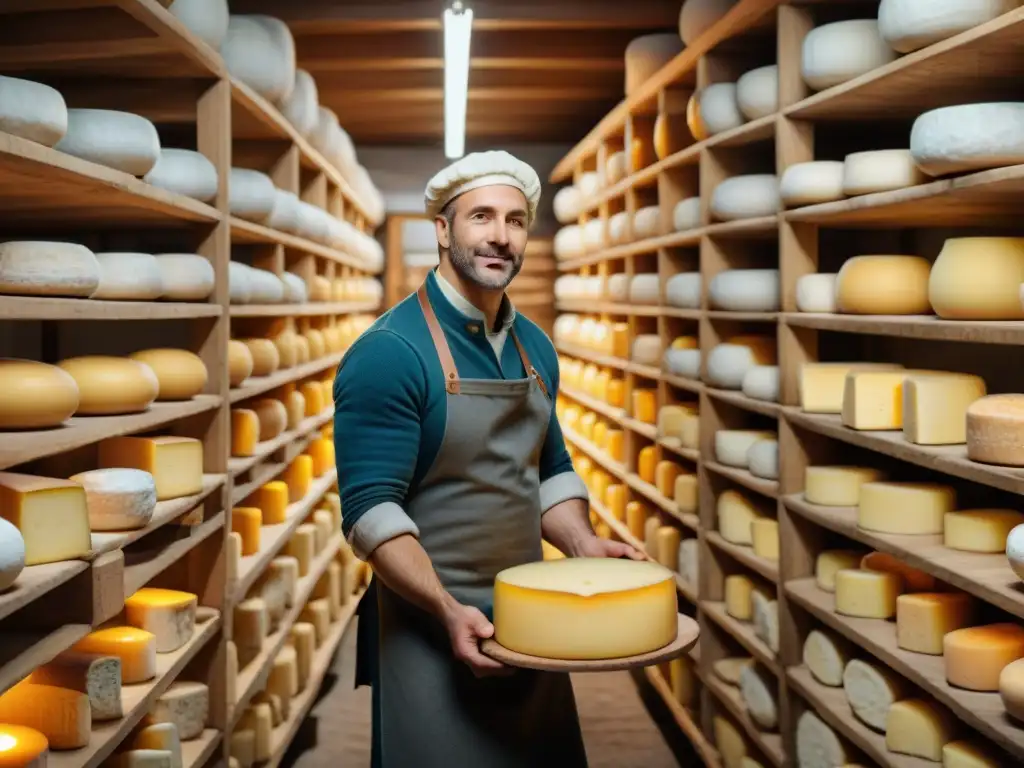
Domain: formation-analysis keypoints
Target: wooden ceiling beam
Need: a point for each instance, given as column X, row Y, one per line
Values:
column 607, row 80
column 320, row 67
column 371, row 97
column 327, row 16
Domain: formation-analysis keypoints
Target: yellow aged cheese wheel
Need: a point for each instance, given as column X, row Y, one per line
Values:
column 35, row 395
column 671, row 134
column 978, row 278
column 693, row 119
column 111, row 385
column 302, row 349
column 182, row 374
column 641, row 153
column 585, row 608
column 273, row 417
column 317, row 344
column 287, row 350
column 883, row 285
column 319, row 288
column 239, row 362
column 265, row 357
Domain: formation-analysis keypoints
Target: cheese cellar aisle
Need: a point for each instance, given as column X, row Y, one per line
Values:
column 188, row 251
column 788, row 311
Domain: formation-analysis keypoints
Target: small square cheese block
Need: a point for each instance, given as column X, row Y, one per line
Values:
column 935, row 407
column 246, row 522
column 871, row 689
column 186, row 705
column 826, row 657
column 51, row 514
column 169, row 614
column 665, row 475
column 651, row 527
column 919, row 728
column 873, row 400
column 329, row 587
column 258, row 718
column 302, row 637
column 867, row 594
column 322, row 453
column 302, row 546
column 62, row 715
column 176, row 463
column 136, row 648
column 314, row 395
column 735, row 514
column 837, row 486
column 646, row 462
column 234, row 555
column 99, row 677
column 738, row 591
column 245, row 432
column 272, row 501
column 924, row 618
column 299, row 477
column 822, row 385
column 904, row 508
column 729, row 669
column 668, row 538
column 765, row 535
column 831, row 561
column 975, row 656
column 284, row 675
column 272, row 701
column 324, row 523
column 964, row 754
column 731, row 743
column 161, row 736
column 685, row 495
column 142, row 758
column 318, row 613
column 980, row 530
column 251, row 627
column 243, row 748
column 913, row 579
column 645, row 405
column 636, row 519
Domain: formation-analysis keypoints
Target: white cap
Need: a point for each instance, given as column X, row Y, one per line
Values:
column 483, row 169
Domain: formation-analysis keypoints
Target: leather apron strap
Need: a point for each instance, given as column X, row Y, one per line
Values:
column 444, row 352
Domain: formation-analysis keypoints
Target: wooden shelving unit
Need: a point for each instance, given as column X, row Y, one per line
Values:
column 133, row 55
column 872, row 111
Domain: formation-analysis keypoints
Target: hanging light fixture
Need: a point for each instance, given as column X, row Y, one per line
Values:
column 458, row 27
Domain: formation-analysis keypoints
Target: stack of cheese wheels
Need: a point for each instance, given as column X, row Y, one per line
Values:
column 585, row 608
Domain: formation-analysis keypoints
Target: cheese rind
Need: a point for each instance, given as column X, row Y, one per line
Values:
column 975, row 656
column 169, row 614
column 186, row 705
column 978, row 278
column 176, row 463
column 111, row 386
column 964, row 754
column 924, row 618
column 181, row 374
column 35, row 395
column 732, row 445
column 22, row 747
column 922, row 507
column 872, row 689
column 118, row 499
column 163, row 737
column 62, row 715
column 817, row 745
column 825, row 657
column 584, row 608
column 759, row 698
column 136, row 648
column 883, row 285
column 995, row 430
column 51, row 515
column 99, row 677
column 935, row 407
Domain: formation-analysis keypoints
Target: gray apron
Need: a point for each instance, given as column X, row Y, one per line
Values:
column 478, row 512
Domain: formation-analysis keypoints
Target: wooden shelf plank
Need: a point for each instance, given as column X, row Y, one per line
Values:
column 258, row 385
column 743, row 632
column 675, row 445
column 988, row 577
column 913, row 327
column 597, row 406
column 310, row 309
column 249, row 232
column 982, row 711
column 143, row 565
column 45, row 308
column 767, row 568
column 740, row 400
column 22, row 652
column 78, row 431
column 744, row 477
column 666, row 505
column 196, row 752
column 35, row 581
column 770, row 744
column 684, row 719
column 290, row 439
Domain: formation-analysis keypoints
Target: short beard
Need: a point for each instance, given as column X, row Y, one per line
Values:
column 466, row 268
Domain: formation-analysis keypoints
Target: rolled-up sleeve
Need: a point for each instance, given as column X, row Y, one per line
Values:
column 558, row 480
column 378, row 399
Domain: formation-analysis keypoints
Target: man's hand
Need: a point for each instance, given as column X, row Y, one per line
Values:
column 595, row 546
column 466, row 626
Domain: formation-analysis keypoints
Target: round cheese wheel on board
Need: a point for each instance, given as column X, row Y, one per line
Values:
column 302, row 107
column 909, row 25
column 593, row 236
column 757, row 92
column 995, row 430
column 41, row 268
column 35, row 395
column 763, row 457
column 118, row 140
column 567, row 204
column 615, row 168
column 33, row 111
column 260, row 51
column 646, row 55
column 729, row 362
column 206, row 19
column 698, row 16
column 880, row 170
column 745, row 197
column 568, row 242
column 686, row 214
column 683, row 362
column 840, row 51
column 745, row 290
column 968, row 137
column 762, row 383
column 589, row 184
column 647, row 349
column 817, row 745
column 617, row 287
column 251, row 194
column 883, row 285
column 618, row 228
column 128, row 277
column 284, row 215
column 110, row 386
column 646, row 222
column 295, row 291
column 119, row 499
column 239, row 284
column 265, row 357
column 265, row 287
column 181, row 374
column 978, row 278
column 184, row 172
column 816, row 293
column 240, row 362
column 645, row 289
column 811, row 183
column 720, row 108
column 684, row 290
column 185, row 276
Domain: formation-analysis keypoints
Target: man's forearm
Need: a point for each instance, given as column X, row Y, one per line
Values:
column 404, row 566
column 567, row 525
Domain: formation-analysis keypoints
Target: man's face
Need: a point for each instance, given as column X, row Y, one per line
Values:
column 487, row 237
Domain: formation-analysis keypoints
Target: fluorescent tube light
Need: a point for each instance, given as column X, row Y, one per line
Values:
column 458, row 26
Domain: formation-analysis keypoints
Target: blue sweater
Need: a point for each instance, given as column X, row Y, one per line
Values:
column 391, row 407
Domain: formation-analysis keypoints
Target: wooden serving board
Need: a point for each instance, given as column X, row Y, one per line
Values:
column 686, row 636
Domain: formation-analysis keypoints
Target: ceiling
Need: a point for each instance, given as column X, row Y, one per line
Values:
column 541, row 70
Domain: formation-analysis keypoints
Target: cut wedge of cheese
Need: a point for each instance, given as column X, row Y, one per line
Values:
column 167, row 613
